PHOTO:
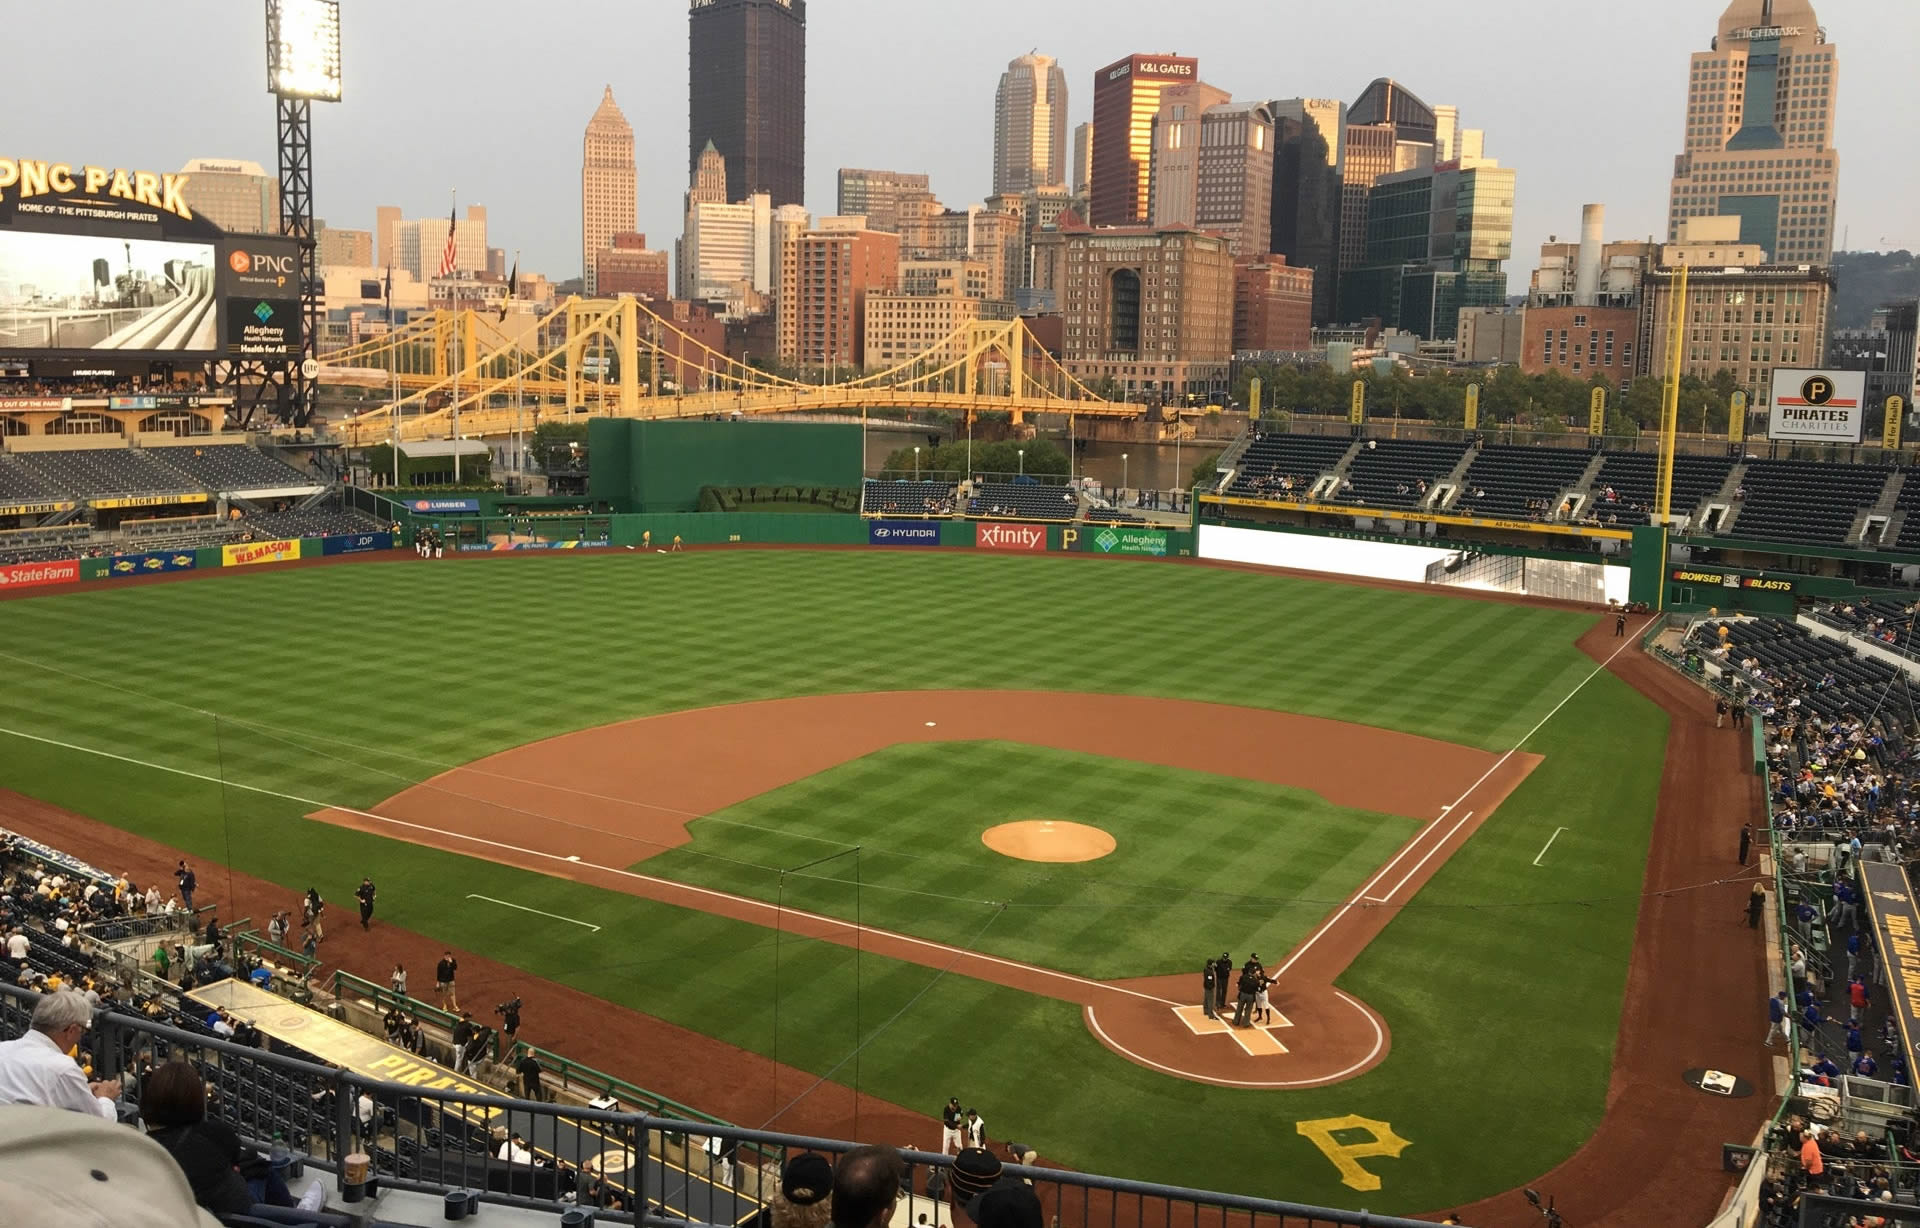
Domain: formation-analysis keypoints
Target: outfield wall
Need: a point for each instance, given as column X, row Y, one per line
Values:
column 1341, row 556
column 661, row 466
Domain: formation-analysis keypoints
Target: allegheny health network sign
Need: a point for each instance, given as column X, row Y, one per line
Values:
column 1112, row 540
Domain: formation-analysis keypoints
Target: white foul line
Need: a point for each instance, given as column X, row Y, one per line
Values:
column 1367, row 887
column 1437, row 846
column 664, row 883
column 523, row 908
column 1548, row 844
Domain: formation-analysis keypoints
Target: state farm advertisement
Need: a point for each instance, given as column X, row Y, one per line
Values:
column 33, row 575
column 1031, row 538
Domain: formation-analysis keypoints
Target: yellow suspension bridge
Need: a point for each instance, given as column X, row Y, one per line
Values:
column 469, row 374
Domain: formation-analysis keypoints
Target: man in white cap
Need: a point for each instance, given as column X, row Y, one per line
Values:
column 36, row 1068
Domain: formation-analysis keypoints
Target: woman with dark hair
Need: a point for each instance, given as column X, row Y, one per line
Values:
column 227, row 1178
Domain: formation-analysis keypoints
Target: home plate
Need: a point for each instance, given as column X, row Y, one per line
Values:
column 1256, row 1041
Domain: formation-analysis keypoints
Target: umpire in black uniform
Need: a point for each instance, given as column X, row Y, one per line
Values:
column 1206, row 989
column 1222, row 977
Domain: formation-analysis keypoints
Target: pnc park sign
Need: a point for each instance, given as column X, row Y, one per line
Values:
column 28, row 178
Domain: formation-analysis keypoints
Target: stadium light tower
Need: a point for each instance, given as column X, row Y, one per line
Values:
column 303, row 66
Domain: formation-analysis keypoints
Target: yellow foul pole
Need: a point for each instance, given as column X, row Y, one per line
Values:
column 1670, row 403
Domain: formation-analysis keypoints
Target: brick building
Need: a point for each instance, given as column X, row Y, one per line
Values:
column 627, row 266
column 1272, row 305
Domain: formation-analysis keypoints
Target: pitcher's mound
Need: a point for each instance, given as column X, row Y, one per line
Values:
column 1048, row 840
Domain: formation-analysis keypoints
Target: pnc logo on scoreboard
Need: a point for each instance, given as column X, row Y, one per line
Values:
column 261, row 268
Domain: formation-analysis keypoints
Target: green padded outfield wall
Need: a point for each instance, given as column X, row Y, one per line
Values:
column 661, row 466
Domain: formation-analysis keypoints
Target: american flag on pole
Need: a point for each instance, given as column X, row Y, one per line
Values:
column 446, row 255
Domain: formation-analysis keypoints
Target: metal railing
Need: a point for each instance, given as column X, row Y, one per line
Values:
column 430, row 1137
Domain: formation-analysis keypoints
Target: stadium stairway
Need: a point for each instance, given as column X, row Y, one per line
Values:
column 1883, row 510
column 1446, row 492
column 1581, row 492
column 1697, row 515
column 1339, row 470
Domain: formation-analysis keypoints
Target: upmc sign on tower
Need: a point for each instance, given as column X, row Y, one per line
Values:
column 1817, row 406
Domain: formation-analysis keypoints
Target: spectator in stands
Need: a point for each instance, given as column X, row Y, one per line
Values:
column 37, row 1068
column 210, row 1154
column 1811, row 1161
column 866, row 1187
column 514, row 1151
column 1009, row 1204
column 153, row 900
column 1865, row 1066
column 804, row 1197
column 18, row 944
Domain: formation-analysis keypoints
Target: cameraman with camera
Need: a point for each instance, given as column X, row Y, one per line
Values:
column 509, row 1012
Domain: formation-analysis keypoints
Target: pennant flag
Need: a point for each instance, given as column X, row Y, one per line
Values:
column 513, row 281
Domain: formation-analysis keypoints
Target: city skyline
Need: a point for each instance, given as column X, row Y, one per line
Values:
column 936, row 116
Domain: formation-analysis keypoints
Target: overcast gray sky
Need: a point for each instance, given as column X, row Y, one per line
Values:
column 491, row 96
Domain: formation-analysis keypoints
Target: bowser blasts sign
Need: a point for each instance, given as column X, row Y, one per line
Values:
column 1817, row 406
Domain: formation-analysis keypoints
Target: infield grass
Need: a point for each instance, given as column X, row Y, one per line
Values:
column 344, row 685
column 1202, row 863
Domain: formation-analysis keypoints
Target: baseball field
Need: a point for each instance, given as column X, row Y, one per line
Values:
column 746, row 792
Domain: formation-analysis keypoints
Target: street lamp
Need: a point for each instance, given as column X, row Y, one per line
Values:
column 1023, row 461
column 1123, row 475
column 916, row 462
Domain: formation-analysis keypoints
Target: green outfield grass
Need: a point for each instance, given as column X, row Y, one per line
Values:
column 344, row 685
column 1202, row 862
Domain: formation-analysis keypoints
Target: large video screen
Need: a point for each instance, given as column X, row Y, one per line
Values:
column 88, row 292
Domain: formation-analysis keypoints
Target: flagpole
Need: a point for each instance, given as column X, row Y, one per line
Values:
column 453, row 294
column 393, row 405
column 519, row 388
